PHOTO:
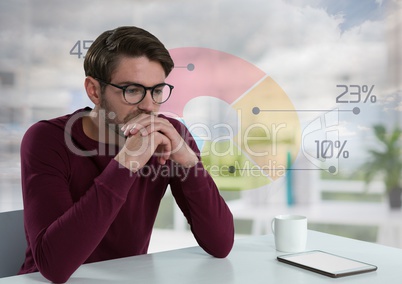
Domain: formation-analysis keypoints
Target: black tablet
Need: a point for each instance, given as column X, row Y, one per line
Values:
column 326, row 263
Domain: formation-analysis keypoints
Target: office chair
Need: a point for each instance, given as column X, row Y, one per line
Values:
column 12, row 242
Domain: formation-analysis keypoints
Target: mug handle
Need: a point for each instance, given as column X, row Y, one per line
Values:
column 273, row 226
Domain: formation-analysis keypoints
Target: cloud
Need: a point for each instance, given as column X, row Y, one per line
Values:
column 363, row 128
column 303, row 45
column 345, row 130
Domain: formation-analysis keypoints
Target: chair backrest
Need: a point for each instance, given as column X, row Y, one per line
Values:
column 12, row 242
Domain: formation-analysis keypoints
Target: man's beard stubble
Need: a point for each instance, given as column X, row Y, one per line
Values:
column 111, row 120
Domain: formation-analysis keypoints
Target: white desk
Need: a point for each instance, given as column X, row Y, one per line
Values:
column 252, row 260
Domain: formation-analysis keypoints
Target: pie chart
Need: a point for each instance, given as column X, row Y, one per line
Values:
column 244, row 124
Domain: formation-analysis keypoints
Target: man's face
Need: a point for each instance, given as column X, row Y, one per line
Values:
column 114, row 110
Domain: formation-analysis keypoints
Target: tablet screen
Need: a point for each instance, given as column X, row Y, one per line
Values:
column 326, row 263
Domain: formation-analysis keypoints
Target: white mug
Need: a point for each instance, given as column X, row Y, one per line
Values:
column 290, row 232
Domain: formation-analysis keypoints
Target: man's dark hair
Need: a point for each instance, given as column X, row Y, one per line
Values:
column 105, row 52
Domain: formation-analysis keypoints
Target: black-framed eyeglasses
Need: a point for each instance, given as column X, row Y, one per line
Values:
column 134, row 93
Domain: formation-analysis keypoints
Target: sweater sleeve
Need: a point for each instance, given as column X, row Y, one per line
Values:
column 209, row 217
column 62, row 234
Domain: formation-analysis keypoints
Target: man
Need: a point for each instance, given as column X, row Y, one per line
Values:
column 93, row 180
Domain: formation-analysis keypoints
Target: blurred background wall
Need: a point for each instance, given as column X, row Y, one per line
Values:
column 336, row 61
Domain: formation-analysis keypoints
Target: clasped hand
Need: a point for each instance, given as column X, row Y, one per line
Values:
column 149, row 135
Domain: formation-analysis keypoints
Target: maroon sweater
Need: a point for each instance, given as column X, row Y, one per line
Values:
column 82, row 206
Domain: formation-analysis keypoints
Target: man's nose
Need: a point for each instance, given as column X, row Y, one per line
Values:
column 147, row 104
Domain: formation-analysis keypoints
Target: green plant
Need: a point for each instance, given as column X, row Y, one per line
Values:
column 388, row 161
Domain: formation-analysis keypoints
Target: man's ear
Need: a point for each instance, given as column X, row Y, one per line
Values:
column 92, row 87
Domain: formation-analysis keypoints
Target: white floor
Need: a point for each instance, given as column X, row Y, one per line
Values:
column 163, row 239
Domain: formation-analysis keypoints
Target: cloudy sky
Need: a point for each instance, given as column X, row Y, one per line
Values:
column 307, row 46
